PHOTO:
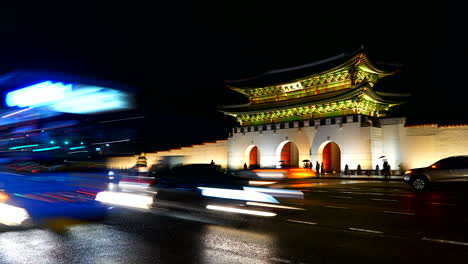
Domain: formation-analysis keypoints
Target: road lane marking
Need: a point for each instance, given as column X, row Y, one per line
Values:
column 366, row 230
column 445, row 241
column 402, row 213
column 301, row 222
column 320, row 191
column 343, row 197
column 273, row 206
column 384, row 200
column 336, row 207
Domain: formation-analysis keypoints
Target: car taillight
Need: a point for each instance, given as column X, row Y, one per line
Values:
column 3, row 197
column 408, row 172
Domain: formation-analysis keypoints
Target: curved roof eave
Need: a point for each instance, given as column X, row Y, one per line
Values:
column 347, row 60
column 362, row 88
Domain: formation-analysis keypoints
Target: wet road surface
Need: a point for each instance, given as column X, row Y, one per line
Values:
column 344, row 221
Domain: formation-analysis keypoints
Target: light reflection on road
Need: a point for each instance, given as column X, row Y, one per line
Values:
column 100, row 243
column 232, row 245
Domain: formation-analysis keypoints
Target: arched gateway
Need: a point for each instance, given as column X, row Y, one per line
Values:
column 331, row 158
column 287, row 154
column 253, row 157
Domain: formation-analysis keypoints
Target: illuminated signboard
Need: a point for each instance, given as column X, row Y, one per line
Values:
column 290, row 87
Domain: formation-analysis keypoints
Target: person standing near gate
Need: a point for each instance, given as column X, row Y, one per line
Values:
column 385, row 169
column 317, row 168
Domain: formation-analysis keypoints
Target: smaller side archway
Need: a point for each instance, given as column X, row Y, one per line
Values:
column 252, row 157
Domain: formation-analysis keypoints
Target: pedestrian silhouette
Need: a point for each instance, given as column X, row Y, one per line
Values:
column 359, row 170
column 212, row 162
column 322, row 171
column 377, row 170
column 346, row 170
column 317, row 168
column 385, row 168
column 245, row 166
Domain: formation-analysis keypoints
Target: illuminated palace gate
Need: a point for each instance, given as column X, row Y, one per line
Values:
column 323, row 96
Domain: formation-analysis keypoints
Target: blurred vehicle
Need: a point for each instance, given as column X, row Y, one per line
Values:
column 276, row 174
column 38, row 200
column 208, row 187
column 448, row 170
column 40, row 165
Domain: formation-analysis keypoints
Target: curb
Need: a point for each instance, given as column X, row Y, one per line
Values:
column 348, row 178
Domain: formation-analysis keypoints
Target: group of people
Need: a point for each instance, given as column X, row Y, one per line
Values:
column 320, row 168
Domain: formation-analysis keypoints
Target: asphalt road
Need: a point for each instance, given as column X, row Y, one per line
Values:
column 344, row 221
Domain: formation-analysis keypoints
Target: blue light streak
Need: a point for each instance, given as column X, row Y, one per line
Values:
column 80, row 147
column 25, row 146
column 45, row 149
column 37, row 95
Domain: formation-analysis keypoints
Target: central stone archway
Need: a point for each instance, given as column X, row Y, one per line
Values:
column 330, row 154
column 287, row 154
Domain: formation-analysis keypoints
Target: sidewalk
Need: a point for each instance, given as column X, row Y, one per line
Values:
column 357, row 177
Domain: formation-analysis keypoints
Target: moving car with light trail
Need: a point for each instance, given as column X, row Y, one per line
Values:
column 448, row 170
column 207, row 187
column 38, row 200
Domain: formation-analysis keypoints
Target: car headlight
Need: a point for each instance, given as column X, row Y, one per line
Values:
column 12, row 215
column 408, row 172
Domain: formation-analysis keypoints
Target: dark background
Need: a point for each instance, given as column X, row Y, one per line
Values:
column 178, row 54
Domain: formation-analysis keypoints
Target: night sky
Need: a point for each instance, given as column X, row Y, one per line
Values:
column 178, row 54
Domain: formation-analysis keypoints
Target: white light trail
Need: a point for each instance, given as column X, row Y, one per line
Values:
column 116, row 141
column 274, row 206
column 73, row 152
column 125, row 199
column 17, row 112
column 366, row 230
column 385, row 200
column 445, row 241
column 115, row 120
column 261, row 182
column 401, row 213
column 244, row 195
column 336, row 207
column 301, row 222
column 276, row 192
column 237, row 210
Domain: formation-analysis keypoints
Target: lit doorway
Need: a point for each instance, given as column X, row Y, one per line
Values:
column 253, row 158
column 288, row 154
column 331, row 158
